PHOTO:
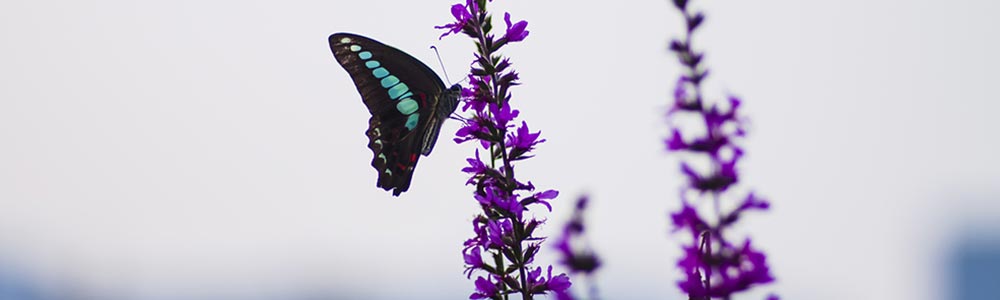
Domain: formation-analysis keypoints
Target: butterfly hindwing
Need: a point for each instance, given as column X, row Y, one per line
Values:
column 406, row 99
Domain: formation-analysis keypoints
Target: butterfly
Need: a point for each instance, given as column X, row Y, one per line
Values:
column 407, row 100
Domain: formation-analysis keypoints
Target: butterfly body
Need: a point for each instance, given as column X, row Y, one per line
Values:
column 408, row 103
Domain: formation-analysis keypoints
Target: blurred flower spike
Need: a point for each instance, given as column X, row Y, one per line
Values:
column 713, row 265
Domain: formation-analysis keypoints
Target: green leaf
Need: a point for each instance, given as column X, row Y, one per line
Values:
column 488, row 24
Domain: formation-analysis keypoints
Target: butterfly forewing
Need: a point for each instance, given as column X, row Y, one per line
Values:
column 402, row 95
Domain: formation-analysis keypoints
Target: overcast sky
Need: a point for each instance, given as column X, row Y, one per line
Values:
column 215, row 149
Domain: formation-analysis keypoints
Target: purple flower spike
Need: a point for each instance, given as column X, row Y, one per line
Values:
column 505, row 243
column 713, row 267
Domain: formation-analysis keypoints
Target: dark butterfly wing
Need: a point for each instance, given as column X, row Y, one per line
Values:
column 403, row 96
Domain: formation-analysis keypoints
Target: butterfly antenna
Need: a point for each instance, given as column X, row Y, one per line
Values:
column 442, row 64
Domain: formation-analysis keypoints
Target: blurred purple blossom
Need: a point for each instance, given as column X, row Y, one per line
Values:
column 576, row 255
column 574, row 250
column 713, row 266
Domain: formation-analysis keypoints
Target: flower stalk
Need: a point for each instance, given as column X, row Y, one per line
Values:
column 715, row 265
column 503, row 232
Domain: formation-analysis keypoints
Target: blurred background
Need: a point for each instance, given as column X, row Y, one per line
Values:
column 215, row 149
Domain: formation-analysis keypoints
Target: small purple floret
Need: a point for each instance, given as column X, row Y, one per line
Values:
column 484, row 289
column 516, row 32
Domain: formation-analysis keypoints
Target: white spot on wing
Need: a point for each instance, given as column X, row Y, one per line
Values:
column 345, row 40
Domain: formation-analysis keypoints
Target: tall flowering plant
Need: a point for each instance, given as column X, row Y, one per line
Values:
column 714, row 264
column 505, row 244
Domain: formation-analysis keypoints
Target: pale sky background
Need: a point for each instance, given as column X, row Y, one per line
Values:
column 215, row 149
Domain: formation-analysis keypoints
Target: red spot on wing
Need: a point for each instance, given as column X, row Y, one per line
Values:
column 423, row 99
column 413, row 158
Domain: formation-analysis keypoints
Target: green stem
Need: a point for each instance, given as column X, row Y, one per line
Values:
column 498, row 259
column 510, row 183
